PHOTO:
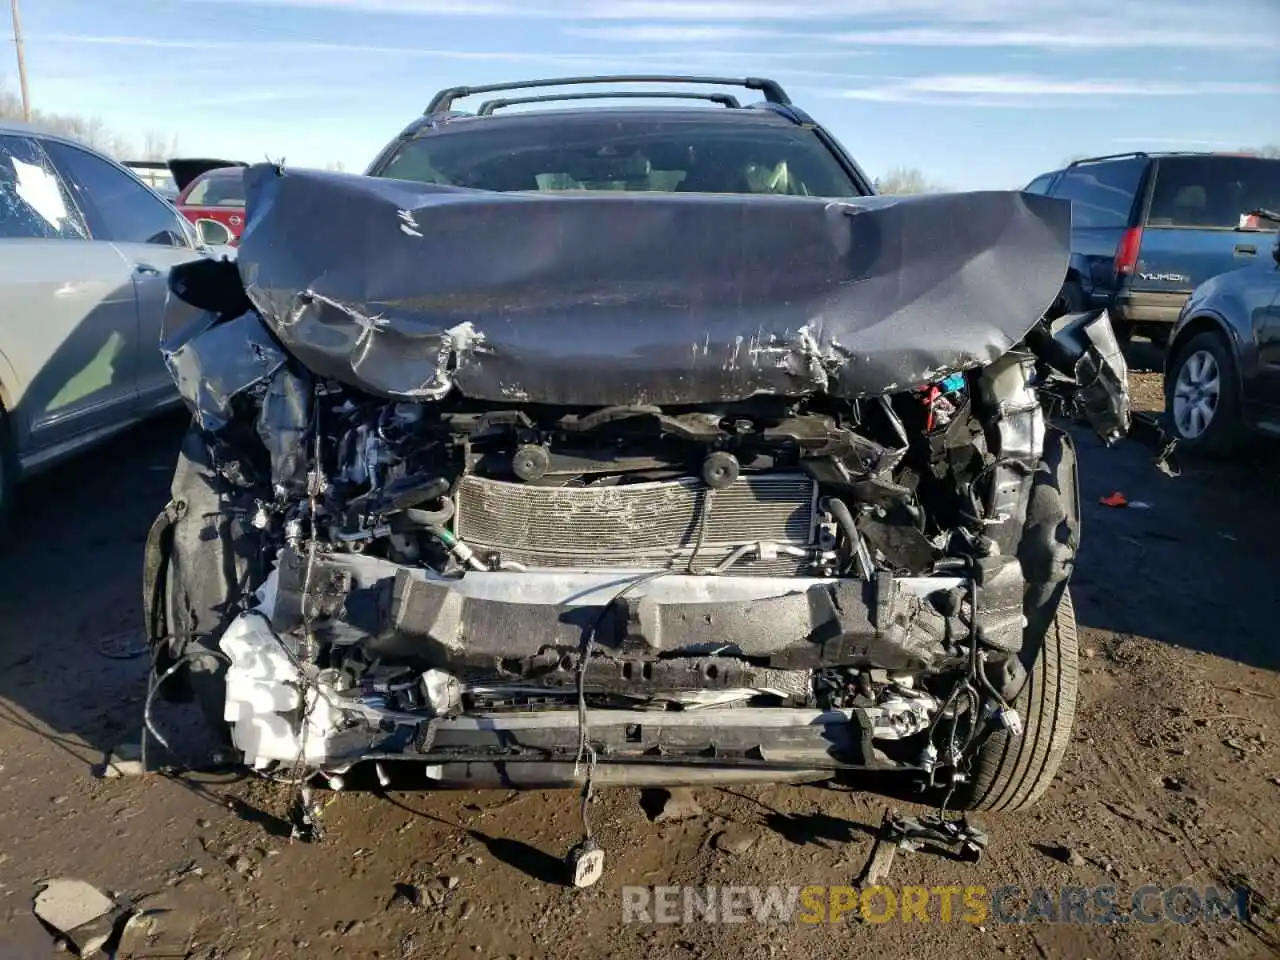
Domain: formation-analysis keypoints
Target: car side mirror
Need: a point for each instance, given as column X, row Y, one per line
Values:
column 213, row 233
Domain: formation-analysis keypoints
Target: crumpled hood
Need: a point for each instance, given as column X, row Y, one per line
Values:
column 412, row 290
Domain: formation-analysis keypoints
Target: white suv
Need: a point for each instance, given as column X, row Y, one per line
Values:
column 85, row 252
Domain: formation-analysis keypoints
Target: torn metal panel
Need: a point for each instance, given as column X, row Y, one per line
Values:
column 1001, row 587
column 1102, row 376
column 1018, row 432
column 1083, row 348
column 214, row 361
column 411, row 290
column 282, row 424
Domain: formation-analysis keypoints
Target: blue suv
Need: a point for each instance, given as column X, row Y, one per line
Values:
column 1148, row 228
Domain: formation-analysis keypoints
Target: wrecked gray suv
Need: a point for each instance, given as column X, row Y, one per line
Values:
column 547, row 482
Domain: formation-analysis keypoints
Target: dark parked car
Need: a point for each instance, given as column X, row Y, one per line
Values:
column 1148, row 228
column 1222, row 370
column 631, row 445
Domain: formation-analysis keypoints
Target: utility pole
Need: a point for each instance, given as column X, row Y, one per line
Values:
column 22, row 63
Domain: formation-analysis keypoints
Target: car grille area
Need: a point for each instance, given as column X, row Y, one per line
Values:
column 647, row 526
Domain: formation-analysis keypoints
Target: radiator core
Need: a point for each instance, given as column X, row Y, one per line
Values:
column 646, row 526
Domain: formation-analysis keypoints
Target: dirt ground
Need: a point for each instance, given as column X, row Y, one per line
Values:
column 1173, row 777
column 1146, row 384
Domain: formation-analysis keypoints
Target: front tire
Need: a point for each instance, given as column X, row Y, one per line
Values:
column 1012, row 773
column 202, row 566
column 1202, row 397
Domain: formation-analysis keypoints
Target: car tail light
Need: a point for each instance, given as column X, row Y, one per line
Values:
column 1127, row 251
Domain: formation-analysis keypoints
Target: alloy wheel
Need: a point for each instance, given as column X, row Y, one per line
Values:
column 1196, row 393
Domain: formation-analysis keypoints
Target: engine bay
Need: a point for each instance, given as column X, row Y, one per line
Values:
column 447, row 560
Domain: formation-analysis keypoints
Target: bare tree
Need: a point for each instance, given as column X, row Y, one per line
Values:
column 336, row 166
column 155, row 146
column 89, row 130
column 906, row 180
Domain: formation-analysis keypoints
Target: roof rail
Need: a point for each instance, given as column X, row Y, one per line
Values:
column 1148, row 154
column 443, row 101
column 1109, row 156
column 724, row 99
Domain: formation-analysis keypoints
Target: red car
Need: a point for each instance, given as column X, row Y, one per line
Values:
column 211, row 190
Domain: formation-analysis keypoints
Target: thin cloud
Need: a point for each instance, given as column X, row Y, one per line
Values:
column 1058, row 39
column 249, row 97
column 656, row 61
column 962, row 36
column 1173, row 142
column 992, row 90
column 252, row 47
column 736, row 11
column 670, row 33
column 475, row 8
column 728, row 11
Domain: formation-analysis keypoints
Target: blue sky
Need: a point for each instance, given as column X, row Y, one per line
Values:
column 976, row 93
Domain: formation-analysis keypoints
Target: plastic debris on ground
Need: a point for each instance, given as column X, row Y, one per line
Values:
column 956, row 839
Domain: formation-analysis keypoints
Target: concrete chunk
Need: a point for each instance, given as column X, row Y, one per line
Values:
column 65, row 904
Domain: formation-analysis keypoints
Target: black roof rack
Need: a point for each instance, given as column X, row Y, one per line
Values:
column 1147, row 154
column 724, row 99
column 1109, row 156
column 772, row 90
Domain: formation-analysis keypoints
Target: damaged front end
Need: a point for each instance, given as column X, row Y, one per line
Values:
column 775, row 510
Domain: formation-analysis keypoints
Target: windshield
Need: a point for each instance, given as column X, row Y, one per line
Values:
column 156, row 176
column 628, row 154
column 218, row 190
column 1213, row 191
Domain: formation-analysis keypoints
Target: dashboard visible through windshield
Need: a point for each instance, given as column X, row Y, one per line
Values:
column 643, row 154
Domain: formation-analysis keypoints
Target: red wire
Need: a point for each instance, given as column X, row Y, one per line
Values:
column 933, row 395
